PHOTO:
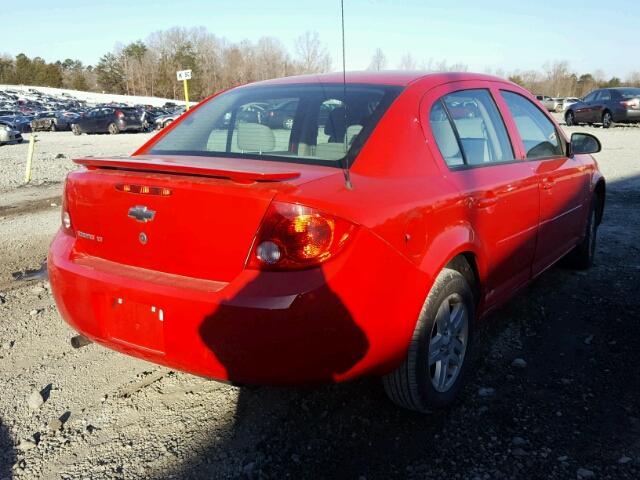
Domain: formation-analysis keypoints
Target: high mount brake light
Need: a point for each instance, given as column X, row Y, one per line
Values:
column 294, row 237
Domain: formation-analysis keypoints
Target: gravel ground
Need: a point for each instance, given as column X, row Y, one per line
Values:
column 554, row 391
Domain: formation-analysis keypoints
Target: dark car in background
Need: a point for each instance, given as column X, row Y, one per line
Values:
column 53, row 121
column 19, row 122
column 281, row 115
column 606, row 106
column 111, row 120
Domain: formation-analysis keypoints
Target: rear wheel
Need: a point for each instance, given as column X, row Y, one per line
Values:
column 113, row 129
column 75, row 129
column 607, row 119
column 432, row 373
column 52, row 127
column 570, row 118
column 581, row 257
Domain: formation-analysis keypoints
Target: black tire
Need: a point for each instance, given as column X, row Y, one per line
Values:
column 411, row 385
column 607, row 119
column 570, row 119
column 113, row 129
column 75, row 129
column 582, row 256
column 52, row 127
column 166, row 123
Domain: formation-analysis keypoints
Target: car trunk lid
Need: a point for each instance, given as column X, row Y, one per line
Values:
column 189, row 216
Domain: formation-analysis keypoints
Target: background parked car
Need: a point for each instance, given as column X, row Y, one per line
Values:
column 281, row 115
column 164, row 120
column 53, row 121
column 111, row 120
column 567, row 102
column 8, row 135
column 606, row 106
column 551, row 104
column 19, row 122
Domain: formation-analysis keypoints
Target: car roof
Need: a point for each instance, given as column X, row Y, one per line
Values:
column 386, row 77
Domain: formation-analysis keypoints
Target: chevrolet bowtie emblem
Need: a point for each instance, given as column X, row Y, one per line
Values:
column 141, row 213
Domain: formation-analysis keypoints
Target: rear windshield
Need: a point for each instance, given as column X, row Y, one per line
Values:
column 630, row 93
column 311, row 123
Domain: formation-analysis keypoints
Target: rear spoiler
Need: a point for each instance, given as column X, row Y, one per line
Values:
column 245, row 170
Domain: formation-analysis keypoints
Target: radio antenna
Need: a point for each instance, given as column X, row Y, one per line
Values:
column 345, row 169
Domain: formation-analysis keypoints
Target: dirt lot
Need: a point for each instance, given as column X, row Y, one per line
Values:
column 572, row 411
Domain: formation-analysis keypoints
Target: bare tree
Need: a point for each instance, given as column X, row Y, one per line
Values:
column 407, row 62
column 311, row 54
column 378, row 61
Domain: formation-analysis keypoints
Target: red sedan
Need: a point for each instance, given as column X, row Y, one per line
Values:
column 369, row 238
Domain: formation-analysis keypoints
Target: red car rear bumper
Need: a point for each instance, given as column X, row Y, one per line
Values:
column 353, row 316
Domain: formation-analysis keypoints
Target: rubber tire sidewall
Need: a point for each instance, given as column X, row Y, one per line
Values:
column 568, row 115
column 429, row 395
column 409, row 386
column 582, row 256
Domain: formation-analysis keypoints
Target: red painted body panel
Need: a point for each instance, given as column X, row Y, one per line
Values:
column 186, row 299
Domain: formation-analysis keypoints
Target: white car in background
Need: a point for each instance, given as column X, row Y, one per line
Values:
column 567, row 102
column 551, row 104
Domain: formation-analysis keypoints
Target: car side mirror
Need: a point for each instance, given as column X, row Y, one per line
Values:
column 583, row 143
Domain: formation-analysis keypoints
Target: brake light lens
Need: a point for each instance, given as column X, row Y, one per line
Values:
column 633, row 103
column 119, row 114
column 65, row 217
column 294, row 237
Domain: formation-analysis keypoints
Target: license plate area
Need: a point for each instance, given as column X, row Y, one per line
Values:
column 136, row 324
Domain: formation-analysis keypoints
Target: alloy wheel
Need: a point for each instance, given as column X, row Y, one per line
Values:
column 448, row 342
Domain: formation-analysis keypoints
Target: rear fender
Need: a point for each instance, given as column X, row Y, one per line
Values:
column 450, row 243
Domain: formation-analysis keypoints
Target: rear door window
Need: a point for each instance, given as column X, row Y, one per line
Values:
column 538, row 133
column 477, row 127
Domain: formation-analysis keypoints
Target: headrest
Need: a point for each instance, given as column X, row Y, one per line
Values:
column 336, row 123
column 254, row 137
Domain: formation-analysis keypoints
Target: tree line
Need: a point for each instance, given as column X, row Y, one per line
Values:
column 148, row 67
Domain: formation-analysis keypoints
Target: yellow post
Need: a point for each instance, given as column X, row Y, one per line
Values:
column 186, row 92
column 32, row 144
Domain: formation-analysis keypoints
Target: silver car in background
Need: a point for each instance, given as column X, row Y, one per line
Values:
column 9, row 135
column 551, row 104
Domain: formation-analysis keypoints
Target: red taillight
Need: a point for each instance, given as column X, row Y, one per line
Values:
column 633, row 103
column 119, row 114
column 294, row 237
column 65, row 216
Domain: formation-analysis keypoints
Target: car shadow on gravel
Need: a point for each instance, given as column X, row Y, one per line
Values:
column 7, row 453
column 573, row 403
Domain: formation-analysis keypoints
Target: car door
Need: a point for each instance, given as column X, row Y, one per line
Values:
column 103, row 119
column 563, row 182
column 582, row 110
column 88, row 122
column 599, row 105
column 499, row 192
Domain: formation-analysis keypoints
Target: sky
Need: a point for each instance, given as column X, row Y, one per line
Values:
column 486, row 35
